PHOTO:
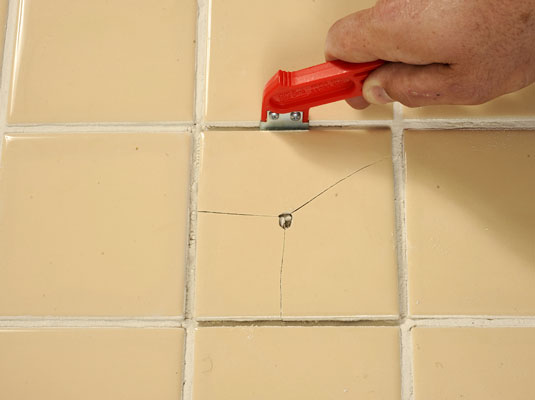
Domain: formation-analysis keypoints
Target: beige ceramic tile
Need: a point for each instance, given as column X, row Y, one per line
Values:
column 237, row 261
column 296, row 363
column 93, row 224
column 88, row 364
column 519, row 104
column 102, row 60
column 471, row 222
column 474, row 363
column 246, row 52
column 339, row 251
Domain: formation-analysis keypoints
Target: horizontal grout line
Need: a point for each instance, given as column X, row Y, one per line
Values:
column 527, row 123
column 100, row 128
column 313, row 124
column 231, row 125
column 476, row 124
column 180, row 322
column 297, row 323
column 471, row 321
column 411, row 124
column 91, row 322
column 358, row 318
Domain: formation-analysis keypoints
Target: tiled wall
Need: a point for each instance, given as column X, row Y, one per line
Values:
column 141, row 248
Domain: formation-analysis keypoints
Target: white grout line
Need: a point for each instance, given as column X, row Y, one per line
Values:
column 356, row 124
column 313, row 124
column 413, row 124
column 189, row 359
column 102, row 128
column 406, row 358
column 476, row 322
column 475, row 124
column 398, row 160
column 201, row 59
column 397, row 109
column 90, row 322
column 201, row 66
column 189, row 311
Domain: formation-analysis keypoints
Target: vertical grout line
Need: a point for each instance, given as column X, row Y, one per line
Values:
column 201, row 65
column 7, row 64
column 398, row 160
column 190, row 323
column 398, row 112
column 201, row 59
column 407, row 363
column 281, row 274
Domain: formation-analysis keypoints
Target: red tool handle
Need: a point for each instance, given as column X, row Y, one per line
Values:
column 314, row 86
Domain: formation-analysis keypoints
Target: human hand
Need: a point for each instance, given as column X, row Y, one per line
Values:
column 440, row 51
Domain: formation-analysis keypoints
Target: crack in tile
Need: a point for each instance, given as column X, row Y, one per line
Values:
column 281, row 272
column 337, row 183
column 237, row 214
column 285, row 221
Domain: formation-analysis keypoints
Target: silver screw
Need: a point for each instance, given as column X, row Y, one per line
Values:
column 295, row 116
column 273, row 115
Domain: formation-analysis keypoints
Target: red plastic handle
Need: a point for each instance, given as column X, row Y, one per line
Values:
column 314, row 86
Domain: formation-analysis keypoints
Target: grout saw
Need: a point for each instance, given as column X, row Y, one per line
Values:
column 288, row 96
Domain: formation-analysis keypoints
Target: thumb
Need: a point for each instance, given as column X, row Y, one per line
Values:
column 417, row 85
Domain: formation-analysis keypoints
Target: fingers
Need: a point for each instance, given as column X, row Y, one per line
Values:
column 364, row 36
column 416, row 86
column 348, row 39
column 358, row 103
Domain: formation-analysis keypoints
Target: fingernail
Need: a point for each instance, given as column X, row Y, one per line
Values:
column 375, row 94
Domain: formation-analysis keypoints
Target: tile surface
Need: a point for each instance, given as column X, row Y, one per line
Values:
column 471, row 222
column 518, row 104
column 339, row 256
column 246, row 52
column 296, row 363
column 64, row 364
column 238, row 260
column 474, row 363
column 102, row 60
column 93, row 224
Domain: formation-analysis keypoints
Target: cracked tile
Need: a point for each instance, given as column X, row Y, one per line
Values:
column 93, row 224
column 471, row 222
column 332, row 189
column 104, row 61
column 241, row 64
column 518, row 104
column 84, row 364
column 244, row 363
column 474, row 363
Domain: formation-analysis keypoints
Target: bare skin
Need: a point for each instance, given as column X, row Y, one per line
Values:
column 440, row 51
